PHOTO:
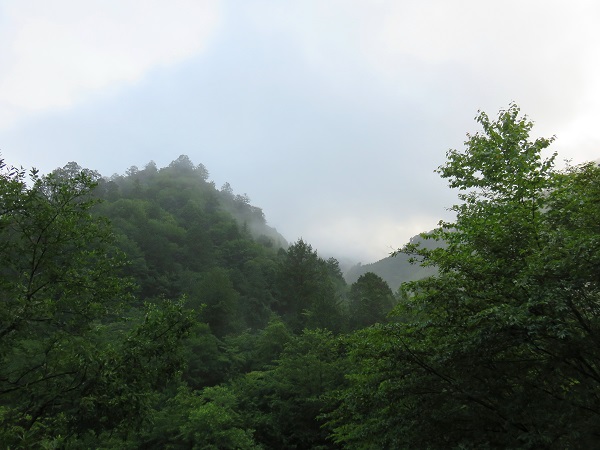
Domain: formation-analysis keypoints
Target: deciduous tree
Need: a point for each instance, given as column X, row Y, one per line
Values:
column 69, row 363
column 500, row 349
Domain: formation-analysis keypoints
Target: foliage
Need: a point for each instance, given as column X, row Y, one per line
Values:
column 497, row 348
column 206, row 419
column 70, row 364
column 500, row 348
column 56, row 283
column 306, row 289
column 179, row 233
column 369, row 301
column 284, row 402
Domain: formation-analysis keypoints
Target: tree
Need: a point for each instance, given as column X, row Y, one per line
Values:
column 500, row 348
column 369, row 301
column 219, row 301
column 209, row 419
column 306, row 290
column 271, row 342
column 284, row 403
column 66, row 354
column 311, row 367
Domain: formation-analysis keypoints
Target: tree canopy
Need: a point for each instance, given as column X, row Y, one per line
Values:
column 500, row 348
column 152, row 310
column 75, row 359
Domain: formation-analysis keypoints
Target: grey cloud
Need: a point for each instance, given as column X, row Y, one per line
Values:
column 322, row 152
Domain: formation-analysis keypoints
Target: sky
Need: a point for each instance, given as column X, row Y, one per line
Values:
column 331, row 115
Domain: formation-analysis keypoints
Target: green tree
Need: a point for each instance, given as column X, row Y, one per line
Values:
column 369, row 301
column 57, row 278
column 217, row 301
column 306, row 294
column 207, row 362
column 284, row 403
column 271, row 342
column 69, row 364
column 500, row 348
column 207, row 420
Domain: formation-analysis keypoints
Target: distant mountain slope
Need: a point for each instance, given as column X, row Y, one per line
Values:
column 178, row 229
column 184, row 186
column 395, row 270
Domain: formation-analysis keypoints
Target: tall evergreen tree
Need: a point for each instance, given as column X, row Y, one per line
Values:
column 306, row 294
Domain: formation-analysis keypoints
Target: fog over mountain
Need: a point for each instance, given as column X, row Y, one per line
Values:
column 331, row 116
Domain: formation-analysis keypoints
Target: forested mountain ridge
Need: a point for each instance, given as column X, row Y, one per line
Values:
column 159, row 270
column 138, row 312
column 395, row 270
column 173, row 222
column 182, row 182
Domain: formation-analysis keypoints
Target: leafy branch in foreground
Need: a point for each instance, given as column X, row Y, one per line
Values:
column 70, row 362
column 501, row 348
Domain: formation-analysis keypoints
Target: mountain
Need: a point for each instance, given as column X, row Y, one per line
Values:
column 177, row 229
column 395, row 270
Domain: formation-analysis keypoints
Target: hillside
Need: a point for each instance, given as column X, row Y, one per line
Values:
column 395, row 270
column 152, row 310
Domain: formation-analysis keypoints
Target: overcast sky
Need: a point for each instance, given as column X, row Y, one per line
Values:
column 330, row 114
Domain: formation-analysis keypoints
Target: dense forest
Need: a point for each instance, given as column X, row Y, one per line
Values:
column 153, row 310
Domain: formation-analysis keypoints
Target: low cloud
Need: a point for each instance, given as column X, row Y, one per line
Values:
column 331, row 115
